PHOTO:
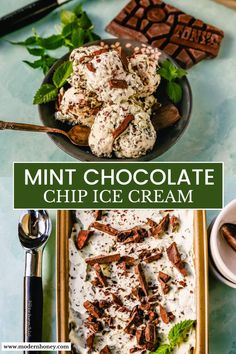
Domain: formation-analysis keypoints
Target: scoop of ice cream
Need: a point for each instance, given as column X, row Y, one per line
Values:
column 76, row 106
column 146, row 103
column 79, row 57
column 146, row 65
column 138, row 138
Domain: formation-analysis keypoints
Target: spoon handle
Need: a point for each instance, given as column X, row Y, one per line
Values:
column 29, row 127
column 33, row 309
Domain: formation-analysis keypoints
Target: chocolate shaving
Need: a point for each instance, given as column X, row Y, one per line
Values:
column 138, row 293
column 138, row 270
column 90, row 340
column 174, row 223
column 174, row 257
column 106, row 259
column 136, row 234
column 116, row 299
column 153, row 258
column 151, row 336
column 158, row 230
column 228, row 231
column 107, row 229
column 83, row 237
column 90, row 67
column 118, row 84
column 98, row 214
column 165, row 287
column 99, row 52
column 92, row 309
column 166, row 317
column 93, row 326
column 100, row 275
column 105, row 350
column 123, row 126
column 128, row 260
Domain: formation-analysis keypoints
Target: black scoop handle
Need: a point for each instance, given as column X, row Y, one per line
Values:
column 33, row 310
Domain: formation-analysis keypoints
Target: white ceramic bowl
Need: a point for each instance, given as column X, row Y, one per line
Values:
column 222, row 254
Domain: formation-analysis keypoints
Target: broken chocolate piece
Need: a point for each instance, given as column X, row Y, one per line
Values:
column 228, row 231
column 165, row 116
column 90, row 340
column 153, row 258
column 116, row 299
column 174, row 257
column 166, row 317
column 123, row 126
column 90, row 67
column 151, row 336
column 107, row 229
column 118, row 84
column 174, row 223
column 158, row 230
column 181, row 36
column 139, row 271
column 128, row 260
column 100, row 275
column 83, row 237
column 98, row 214
column 105, row 350
column 135, row 319
column 164, row 277
column 139, row 336
column 138, row 293
column 136, row 234
column 106, row 259
column 95, row 327
column 92, row 309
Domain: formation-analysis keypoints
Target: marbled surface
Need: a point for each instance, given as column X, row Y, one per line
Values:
column 210, row 136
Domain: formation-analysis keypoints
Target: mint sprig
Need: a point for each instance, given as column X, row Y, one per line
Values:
column 177, row 335
column 76, row 30
column 169, row 72
column 49, row 92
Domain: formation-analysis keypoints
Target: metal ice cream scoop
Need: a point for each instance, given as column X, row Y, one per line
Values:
column 34, row 229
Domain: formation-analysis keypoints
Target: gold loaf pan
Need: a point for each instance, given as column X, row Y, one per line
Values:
column 64, row 228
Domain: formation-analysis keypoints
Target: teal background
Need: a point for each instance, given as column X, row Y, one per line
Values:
column 210, row 136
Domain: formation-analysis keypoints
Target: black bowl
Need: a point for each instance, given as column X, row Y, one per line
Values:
column 165, row 138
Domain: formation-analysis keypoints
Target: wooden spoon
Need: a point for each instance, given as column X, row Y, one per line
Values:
column 78, row 134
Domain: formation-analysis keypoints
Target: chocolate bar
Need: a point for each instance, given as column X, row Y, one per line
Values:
column 184, row 38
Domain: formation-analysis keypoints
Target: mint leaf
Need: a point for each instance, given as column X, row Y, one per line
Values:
column 46, row 93
column 163, row 349
column 67, row 17
column 38, row 52
column 53, row 42
column 84, row 21
column 174, row 91
column 77, row 38
column 170, row 72
column 62, row 73
column 78, row 10
column 35, row 64
column 178, row 333
column 29, row 41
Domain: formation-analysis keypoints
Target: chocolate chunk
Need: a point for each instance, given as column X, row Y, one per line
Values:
column 138, row 293
column 138, row 270
column 118, row 84
column 165, row 116
column 90, row 67
column 128, row 260
column 95, row 327
column 83, row 237
column 116, row 299
column 135, row 319
column 166, row 317
column 136, row 234
column 101, row 277
column 98, row 214
column 174, row 223
column 105, row 350
column 164, row 277
column 124, row 59
column 228, row 231
column 90, row 340
column 123, row 126
column 151, row 336
column 92, row 309
column 180, row 35
column 139, row 336
column 153, row 258
column 174, row 257
column 103, row 259
column 158, row 230
column 107, row 229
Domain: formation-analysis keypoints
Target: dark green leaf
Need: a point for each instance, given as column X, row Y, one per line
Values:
column 84, row 21
column 170, row 72
column 174, row 91
column 67, row 17
column 94, row 36
column 35, row 64
column 29, row 41
column 163, row 349
column 165, row 73
column 179, row 332
column 46, row 93
column 53, row 42
column 67, row 29
column 38, row 52
column 77, row 38
column 78, row 10
column 62, row 73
